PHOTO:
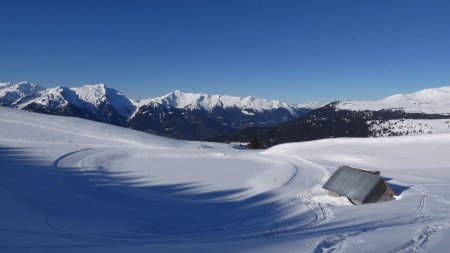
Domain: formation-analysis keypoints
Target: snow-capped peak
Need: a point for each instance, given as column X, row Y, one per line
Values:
column 91, row 93
column 434, row 100
column 311, row 105
column 51, row 97
column 91, row 97
column 21, row 87
column 98, row 97
column 10, row 93
column 426, row 96
column 99, row 93
column 207, row 102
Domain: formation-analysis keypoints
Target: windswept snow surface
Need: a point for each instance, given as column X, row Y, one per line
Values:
column 71, row 185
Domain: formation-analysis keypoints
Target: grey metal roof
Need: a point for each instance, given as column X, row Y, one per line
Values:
column 353, row 183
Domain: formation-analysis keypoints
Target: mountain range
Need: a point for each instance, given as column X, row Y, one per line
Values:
column 423, row 112
column 197, row 116
column 178, row 115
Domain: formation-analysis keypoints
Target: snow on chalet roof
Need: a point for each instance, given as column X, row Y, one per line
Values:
column 353, row 183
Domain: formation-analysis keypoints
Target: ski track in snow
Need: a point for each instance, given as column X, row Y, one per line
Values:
column 335, row 242
column 423, row 236
column 322, row 212
column 424, row 194
column 238, row 229
column 246, row 227
column 128, row 193
column 420, row 241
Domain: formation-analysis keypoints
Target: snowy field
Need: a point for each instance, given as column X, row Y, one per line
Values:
column 71, row 185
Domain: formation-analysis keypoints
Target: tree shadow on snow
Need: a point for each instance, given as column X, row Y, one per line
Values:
column 114, row 205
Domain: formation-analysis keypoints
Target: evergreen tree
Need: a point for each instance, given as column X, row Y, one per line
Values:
column 254, row 144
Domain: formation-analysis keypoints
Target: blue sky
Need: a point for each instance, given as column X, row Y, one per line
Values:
column 291, row 50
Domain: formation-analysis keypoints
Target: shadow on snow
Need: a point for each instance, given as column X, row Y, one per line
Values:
column 114, row 208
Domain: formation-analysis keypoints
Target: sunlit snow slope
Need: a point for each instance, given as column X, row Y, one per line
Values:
column 428, row 101
column 71, row 185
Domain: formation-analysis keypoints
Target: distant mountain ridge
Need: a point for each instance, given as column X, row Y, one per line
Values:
column 198, row 116
column 421, row 112
column 428, row 101
column 207, row 102
column 181, row 115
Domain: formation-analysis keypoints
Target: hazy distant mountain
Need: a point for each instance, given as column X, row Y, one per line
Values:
column 177, row 114
column 421, row 112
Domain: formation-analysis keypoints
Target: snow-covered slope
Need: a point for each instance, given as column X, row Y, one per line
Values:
column 429, row 101
column 22, row 126
column 71, row 185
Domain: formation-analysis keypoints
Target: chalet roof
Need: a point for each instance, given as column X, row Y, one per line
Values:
column 352, row 183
